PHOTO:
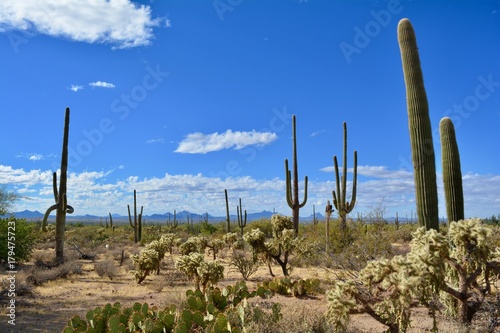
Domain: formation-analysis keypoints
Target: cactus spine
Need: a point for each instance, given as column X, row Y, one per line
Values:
column 452, row 174
column 241, row 222
column 61, row 206
column 292, row 192
column 340, row 202
column 228, row 218
column 137, row 224
column 424, row 168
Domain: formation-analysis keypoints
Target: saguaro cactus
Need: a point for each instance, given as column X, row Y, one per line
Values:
column 452, row 173
column 292, row 190
column 340, row 201
column 111, row 221
column 228, row 218
column 328, row 212
column 137, row 224
column 61, row 206
column 241, row 222
column 424, row 168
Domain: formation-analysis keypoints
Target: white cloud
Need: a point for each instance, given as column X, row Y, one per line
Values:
column 374, row 172
column 101, row 84
column 199, row 143
column 75, row 87
column 118, row 22
column 96, row 193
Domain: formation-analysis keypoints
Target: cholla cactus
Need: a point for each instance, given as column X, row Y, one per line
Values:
column 193, row 244
column 280, row 223
column 230, row 238
column 280, row 246
column 145, row 262
column 200, row 271
column 460, row 266
column 210, row 273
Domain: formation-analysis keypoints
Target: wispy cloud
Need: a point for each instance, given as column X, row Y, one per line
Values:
column 155, row 141
column 75, row 87
column 319, row 132
column 121, row 23
column 199, row 143
column 101, row 84
column 34, row 156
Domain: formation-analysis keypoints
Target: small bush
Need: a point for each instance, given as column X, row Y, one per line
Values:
column 244, row 264
column 106, row 268
column 18, row 238
column 38, row 276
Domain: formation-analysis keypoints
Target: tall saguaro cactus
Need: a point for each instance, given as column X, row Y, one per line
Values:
column 137, row 224
column 452, row 172
column 61, row 206
column 340, row 201
column 424, row 168
column 228, row 218
column 292, row 189
column 241, row 222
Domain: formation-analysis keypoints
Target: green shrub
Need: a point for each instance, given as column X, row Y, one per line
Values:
column 17, row 239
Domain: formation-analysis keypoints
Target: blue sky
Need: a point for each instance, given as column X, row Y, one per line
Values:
column 181, row 100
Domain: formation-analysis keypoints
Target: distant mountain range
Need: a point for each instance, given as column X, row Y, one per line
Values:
column 181, row 216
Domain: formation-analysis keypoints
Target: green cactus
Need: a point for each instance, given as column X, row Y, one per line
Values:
column 424, row 168
column 61, row 206
column 452, row 173
column 137, row 224
column 292, row 189
column 111, row 221
column 340, row 201
column 174, row 223
column 241, row 222
column 228, row 218
column 328, row 213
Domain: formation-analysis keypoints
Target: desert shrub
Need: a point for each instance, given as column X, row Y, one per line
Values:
column 88, row 238
column 244, row 264
column 106, row 268
column 17, row 239
column 38, row 276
